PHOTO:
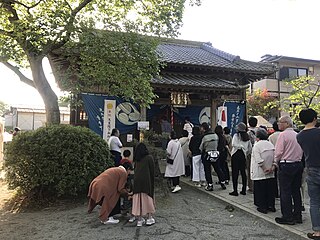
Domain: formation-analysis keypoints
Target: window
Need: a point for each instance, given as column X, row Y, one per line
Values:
column 291, row 73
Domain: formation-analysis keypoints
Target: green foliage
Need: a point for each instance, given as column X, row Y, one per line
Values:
column 59, row 160
column 122, row 65
column 31, row 30
column 261, row 103
column 3, row 108
column 305, row 94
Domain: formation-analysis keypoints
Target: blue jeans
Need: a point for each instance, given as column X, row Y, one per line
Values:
column 313, row 181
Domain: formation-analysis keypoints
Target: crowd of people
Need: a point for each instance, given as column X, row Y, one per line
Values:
column 270, row 166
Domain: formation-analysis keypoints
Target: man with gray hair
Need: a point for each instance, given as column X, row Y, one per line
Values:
column 288, row 155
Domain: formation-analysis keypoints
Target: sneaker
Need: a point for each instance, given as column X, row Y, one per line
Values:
column 150, row 221
column 132, row 219
column 140, row 222
column 197, row 185
column 203, row 184
column 176, row 189
column 223, row 186
column 209, row 187
column 111, row 220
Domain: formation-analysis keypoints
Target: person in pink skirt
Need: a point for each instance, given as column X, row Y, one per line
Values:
column 143, row 187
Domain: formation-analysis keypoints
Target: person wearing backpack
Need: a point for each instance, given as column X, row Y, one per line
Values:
column 252, row 130
column 210, row 143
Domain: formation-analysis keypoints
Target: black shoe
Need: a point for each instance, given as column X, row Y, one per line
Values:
column 233, row 193
column 302, row 208
column 282, row 220
column 223, row 186
column 209, row 188
column 272, row 209
column 227, row 182
column 243, row 192
column 264, row 211
column 311, row 236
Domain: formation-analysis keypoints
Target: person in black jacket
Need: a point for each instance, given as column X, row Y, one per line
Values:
column 222, row 148
column 198, row 175
column 143, row 188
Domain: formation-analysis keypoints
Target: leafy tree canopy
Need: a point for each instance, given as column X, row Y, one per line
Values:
column 305, row 94
column 32, row 29
column 123, row 64
column 261, row 103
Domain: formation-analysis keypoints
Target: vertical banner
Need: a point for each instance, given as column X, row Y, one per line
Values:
column 222, row 116
column 109, row 118
column 235, row 114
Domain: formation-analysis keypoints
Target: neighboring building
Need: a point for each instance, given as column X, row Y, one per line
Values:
column 27, row 118
column 288, row 68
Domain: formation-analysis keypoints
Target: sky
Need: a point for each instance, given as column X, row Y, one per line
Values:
column 247, row 28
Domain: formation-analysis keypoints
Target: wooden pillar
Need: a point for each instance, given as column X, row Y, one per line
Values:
column 213, row 113
column 143, row 117
column 244, row 97
column 143, row 113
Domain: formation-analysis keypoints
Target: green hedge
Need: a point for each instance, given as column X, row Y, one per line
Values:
column 59, row 160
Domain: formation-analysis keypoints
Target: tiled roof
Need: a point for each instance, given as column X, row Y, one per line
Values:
column 204, row 55
column 195, row 80
column 276, row 58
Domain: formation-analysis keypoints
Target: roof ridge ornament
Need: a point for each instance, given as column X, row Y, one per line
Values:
column 208, row 47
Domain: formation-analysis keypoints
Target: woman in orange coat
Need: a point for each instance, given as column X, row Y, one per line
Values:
column 105, row 190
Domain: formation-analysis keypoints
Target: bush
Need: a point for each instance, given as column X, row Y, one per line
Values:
column 54, row 161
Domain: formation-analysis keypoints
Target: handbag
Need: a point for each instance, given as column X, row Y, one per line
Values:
column 212, row 156
column 170, row 160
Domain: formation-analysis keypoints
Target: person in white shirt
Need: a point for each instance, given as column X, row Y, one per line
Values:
column 115, row 146
column 241, row 149
column 263, row 180
column 188, row 126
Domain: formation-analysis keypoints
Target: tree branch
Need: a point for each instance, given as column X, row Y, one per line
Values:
column 8, row 5
column 22, row 77
column 22, row 41
column 26, row 6
column 6, row 33
column 315, row 93
column 67, row 26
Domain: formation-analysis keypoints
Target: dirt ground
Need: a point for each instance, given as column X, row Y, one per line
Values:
column 189, row 214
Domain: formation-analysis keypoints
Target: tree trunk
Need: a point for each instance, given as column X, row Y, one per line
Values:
column 49, row 97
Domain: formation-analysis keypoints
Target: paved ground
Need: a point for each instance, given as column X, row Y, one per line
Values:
column 192, row 213
column 188, row 214
column 245, row 203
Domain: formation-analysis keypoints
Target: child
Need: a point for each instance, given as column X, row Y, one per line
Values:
column 126, row 202
column 126, row 155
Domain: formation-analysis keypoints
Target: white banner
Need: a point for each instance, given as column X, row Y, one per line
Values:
column 222, row 116
column 109, row 122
